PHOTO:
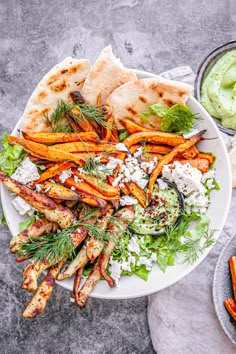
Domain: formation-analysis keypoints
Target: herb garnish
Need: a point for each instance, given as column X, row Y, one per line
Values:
column 58, row 123
column 53, row 247
column 93, row 166
column 177, row 119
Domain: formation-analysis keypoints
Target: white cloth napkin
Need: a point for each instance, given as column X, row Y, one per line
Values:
column 181, row 318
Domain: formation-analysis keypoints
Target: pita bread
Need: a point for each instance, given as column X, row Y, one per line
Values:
column 106, row 74
column 133, row 98
column 67, row 76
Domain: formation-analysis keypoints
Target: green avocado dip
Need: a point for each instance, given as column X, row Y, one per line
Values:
column 163, row 211
column 218, row 94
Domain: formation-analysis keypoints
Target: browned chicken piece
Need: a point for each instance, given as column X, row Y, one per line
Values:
column 125, row 216
column 80, row 261
column 53, row 212
column 82, row 296
column 93, row 248
column 33, row 270
column 77, row 280
column 39, row 301
column 36, row 229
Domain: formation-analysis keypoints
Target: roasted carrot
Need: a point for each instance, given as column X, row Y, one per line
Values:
column 201, row 164
column 133, row 127
column 99, row 185
column 53, row 138
column 53, row 171
column 137, row 192
column 232, row 267
column 168, row 158
column 209, row 157
column 160, row 149
column 154, row 137
column 231, row 307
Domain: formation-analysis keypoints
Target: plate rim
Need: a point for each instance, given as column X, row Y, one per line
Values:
column 214, row 287
column 191, row 267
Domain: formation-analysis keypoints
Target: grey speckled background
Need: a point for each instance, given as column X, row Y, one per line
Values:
column 149, row 35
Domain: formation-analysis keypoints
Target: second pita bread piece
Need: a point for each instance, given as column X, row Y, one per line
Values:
column 133, row 98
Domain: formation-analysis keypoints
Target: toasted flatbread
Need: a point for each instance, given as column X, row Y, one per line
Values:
column 133, row 98
column 106, row 74
column 67, row 76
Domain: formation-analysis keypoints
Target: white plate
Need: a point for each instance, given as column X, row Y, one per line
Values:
column 131, row 287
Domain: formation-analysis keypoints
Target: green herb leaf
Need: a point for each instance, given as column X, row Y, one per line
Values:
column 178, row 119
column 51, row 246
column 3, row 220
column 56, row 120
column 24, row 224
column 93, row 113
column 123, row 134
column 10, row 156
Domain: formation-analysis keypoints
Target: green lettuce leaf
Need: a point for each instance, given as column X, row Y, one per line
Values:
column 24, row 224
column 177, row 119
column 10, row 156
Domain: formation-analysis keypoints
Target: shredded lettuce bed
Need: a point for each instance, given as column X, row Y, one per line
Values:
column 190, row 239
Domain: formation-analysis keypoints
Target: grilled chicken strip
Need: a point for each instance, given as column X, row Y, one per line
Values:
column 39, row 301
column 33, row 270
column 37, row 228
column 53, row 212
column 95, row 248
column 125, row 216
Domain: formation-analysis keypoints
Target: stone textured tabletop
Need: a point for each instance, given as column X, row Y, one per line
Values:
column 149, row 35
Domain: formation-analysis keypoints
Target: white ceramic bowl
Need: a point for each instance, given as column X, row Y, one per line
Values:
column 131, row 287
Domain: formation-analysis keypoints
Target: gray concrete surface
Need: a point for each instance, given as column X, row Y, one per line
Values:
column 34, row 35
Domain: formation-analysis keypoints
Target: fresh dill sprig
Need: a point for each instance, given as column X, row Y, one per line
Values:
column 145, row 154
column 51, row 246
column 92, row 113
column 93, row 166
column 54, row 120
column 57, row 121
column 193, row 248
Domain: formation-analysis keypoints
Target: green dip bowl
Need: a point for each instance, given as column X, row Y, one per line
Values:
column 204, row 68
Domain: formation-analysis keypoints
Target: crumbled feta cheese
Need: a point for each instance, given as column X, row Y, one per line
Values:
column 65, row 175
column 115, row 270
column 196, row 202
column 210, row 183
column 72, row 188
column 122, row 147
column 127, row 200
column 77, row 179
column 208, row 175
column 125, row 265
column 133, row 245
column 161, row 184
column 113, row 162
column 27, row 172
column 135, row 170
column 38, row 187
column 147, row 262
column 190, row 134
column 22, row 206
column 138, row 152
column 131, row 259
column 186, row 177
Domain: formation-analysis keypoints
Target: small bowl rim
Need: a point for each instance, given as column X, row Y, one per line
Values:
column 213, row 54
